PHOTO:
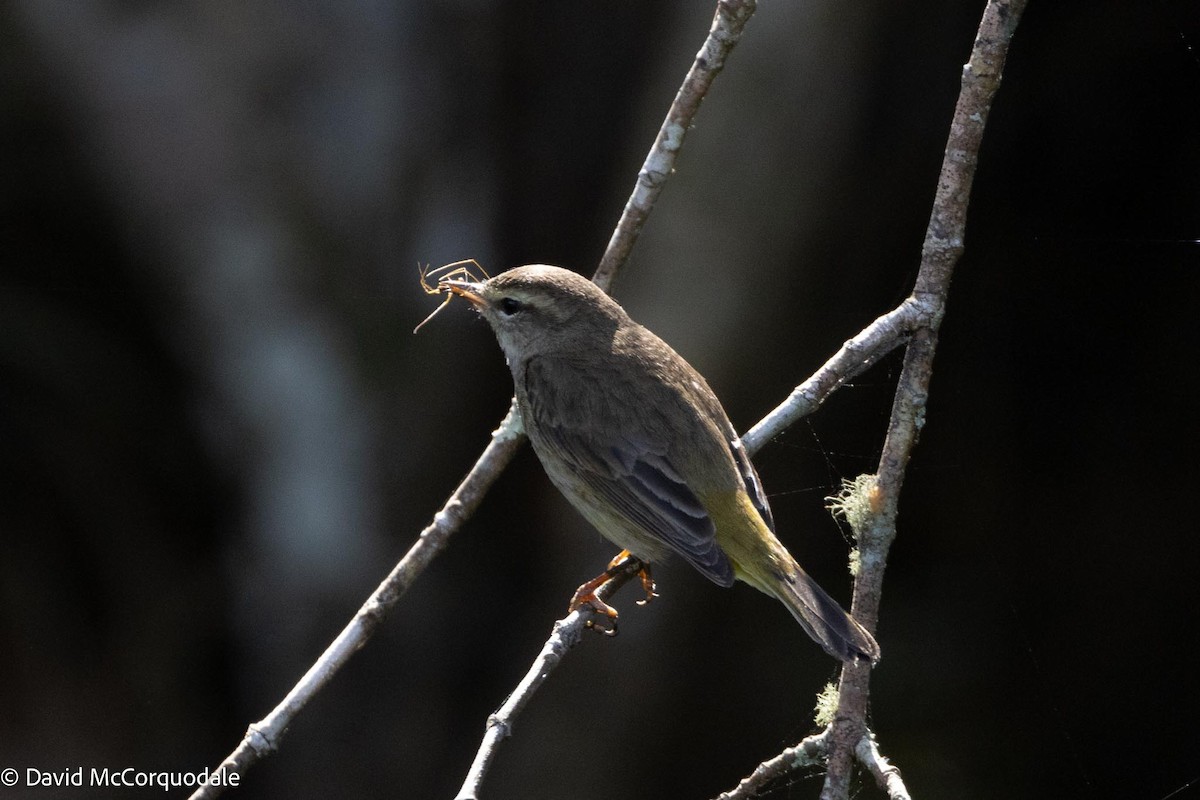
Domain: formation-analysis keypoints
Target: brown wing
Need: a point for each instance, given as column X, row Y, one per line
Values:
column 632, row 472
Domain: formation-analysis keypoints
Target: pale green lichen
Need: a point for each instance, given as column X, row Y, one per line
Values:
column 826, row 707
column 853, row 502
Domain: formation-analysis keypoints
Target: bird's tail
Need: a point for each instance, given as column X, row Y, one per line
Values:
column 761, row 560
column 764, row 563
column 820, row 615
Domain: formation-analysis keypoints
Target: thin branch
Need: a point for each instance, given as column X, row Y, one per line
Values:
column 886, row 774
column 728, row 22
column 565, row 635
column 812, row 752
column 857, row 355
column 809, row 752
column 942, row 249
column 263, row 737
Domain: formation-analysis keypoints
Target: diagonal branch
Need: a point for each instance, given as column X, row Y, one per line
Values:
column 810, row 751
column 565, row 635
column 726, row 30
column 942, row 249
column 263, row 737
column 857, row 355
column 885, row 773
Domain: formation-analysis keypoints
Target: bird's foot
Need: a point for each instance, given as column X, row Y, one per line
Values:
column 585, row 595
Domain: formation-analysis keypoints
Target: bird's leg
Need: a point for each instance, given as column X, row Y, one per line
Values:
column 585, row 595
column 625, row 560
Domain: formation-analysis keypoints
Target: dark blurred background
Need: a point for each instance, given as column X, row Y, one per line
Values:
column 218, row 433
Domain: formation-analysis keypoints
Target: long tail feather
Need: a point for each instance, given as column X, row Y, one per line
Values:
column 761, row 560
column 823, row 618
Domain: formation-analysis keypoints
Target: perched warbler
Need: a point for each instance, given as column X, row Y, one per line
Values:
column 636, row 440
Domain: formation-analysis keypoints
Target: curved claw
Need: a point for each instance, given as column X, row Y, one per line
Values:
column 589, row 600
column 610, row 631
column 648, row 585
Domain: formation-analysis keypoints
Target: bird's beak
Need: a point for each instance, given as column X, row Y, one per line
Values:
column 467, row 290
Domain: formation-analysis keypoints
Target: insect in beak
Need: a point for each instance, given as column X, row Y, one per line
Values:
column 467, row 290
column 456, row 279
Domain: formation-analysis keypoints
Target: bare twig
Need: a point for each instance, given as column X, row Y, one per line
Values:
column 942, row 249
column 726, row 30
column 886, row 774
column 809, row 752
column 563, row 637
column 871, row 344
column 262, row 738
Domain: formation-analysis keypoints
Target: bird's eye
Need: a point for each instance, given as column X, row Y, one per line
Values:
column 510, row 306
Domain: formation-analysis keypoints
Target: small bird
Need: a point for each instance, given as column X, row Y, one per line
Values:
column 638, row 443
